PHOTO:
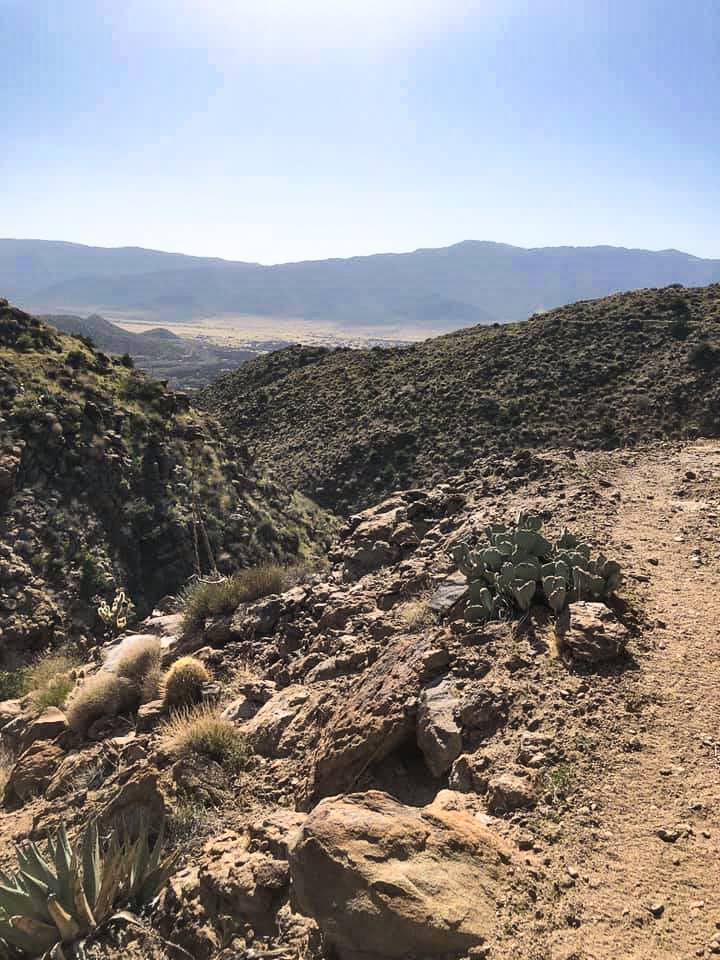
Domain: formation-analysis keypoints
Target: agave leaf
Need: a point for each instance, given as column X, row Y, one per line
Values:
column 112, row 880
column 32, row 862
column 156, row 879
column 67, row 925
column 81, row 911
column 92, row 865
column 32, row 936
column 63, row 859
column 17, row 902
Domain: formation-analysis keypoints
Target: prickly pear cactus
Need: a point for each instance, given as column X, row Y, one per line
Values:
column 517, row 566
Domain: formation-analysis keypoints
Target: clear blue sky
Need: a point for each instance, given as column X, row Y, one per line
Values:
column 278, row 130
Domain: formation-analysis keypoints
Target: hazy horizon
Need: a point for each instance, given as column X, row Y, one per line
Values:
column 280, row 132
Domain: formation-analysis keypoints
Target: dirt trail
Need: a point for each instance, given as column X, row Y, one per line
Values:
column 643, row 897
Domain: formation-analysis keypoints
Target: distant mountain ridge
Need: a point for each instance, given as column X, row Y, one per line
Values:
column 446, row 288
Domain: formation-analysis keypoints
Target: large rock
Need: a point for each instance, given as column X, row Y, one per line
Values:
column 386, row 880
column 376, row 717
column 241, row 884
column 32, row 772
column 508, row 792
column 595, row 634
column 438, row 735
column 282, row 722
column 50, row 725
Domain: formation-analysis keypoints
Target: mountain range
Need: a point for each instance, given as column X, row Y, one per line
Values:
column 468, row 283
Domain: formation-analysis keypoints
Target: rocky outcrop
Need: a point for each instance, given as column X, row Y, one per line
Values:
column 377, row 716
column 385, row 880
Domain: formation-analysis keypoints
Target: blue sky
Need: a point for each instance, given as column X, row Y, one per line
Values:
column 279, row 130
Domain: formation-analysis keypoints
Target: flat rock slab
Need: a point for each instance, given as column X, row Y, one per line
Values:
column 382, row 879
column 448, row 593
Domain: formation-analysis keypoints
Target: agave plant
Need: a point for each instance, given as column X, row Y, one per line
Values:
column 60, row 896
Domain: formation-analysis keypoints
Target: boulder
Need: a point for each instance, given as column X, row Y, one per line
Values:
column 50, row 725
column 149, row 715
column 382, row 879
column 243, row 885
column 484, row 710
column 32, row 772
column 469, row 773
column 507, row 792
column 281, row 723
column 595, row 634
column 438, row 735
column 139, row 796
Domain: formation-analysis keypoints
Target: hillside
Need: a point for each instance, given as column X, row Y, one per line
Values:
column 429, row 289
column 348, row 426
column 106, row 478
column 186, row 363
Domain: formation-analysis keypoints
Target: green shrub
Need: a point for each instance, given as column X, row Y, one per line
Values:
column 207, row 598
column 62, row 894
column 76, row 359
column 202, row 730
column 24, row 343
column 127, row 361
column 12, row 684
column 703, row 356
column 53, row 695
column 183, row 682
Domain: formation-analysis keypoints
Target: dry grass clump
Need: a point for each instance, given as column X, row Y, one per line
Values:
column 202, row 730
column 203, row 598
column 103, row 695
column 418, row 613
column 49, row 680
column 183, row 683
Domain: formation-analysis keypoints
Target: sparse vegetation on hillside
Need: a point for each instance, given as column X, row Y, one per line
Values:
column 348, row 426
column 109, row 481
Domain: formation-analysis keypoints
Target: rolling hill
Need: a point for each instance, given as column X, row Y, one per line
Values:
column 434, row 289
column 186, row 363
column 348, row 426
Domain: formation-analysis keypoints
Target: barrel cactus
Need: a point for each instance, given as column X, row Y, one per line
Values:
column 519, row 566
column 183, row 682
